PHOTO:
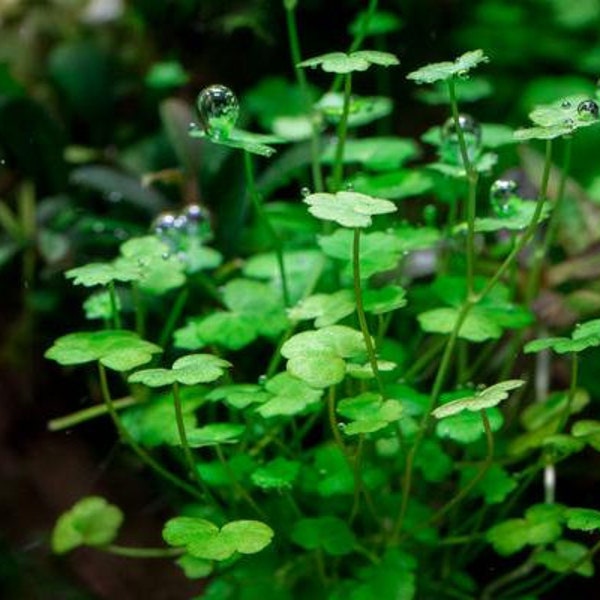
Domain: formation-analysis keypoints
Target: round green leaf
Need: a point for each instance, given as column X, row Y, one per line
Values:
column 90, row 522
column 446, row 70
column 348, row 209
column 328, row 533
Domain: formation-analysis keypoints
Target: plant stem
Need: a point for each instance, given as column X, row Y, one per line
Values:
column 541, row 253
column 88, row 413
column 114, row 309
column 315, row 141
column 529, row 231
column 360, row 310
column 472, row 177
column 174, row 315
column 518, row 573
column 487, row 463
column 140, row 320
column 137, row 449
column 353, row 463
column 129, row 552
column 264, row 218
column 237, row 485
column 187, row 451
column 435, row 393
column 338, row 165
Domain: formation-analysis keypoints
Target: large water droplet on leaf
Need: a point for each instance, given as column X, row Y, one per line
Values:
column 588, row 110
column 471, row 132
column 218, row 109
column 501, row 192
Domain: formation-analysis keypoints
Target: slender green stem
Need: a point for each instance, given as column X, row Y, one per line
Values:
column 87, row 414
column 472, row 177
column 360, row 310
column 140, row 317
column 572, row 391
column 129, row 552
column 239, row 488
column 358, row 39
column 114, row 308
column 315, row 140
column 353, row 463
column 130, row 441
column 487, row 463
column 187, row 451
column 433, row 399
column 266, row 222
column 338, row 165
column 424, row 359
column 541, row 253
column 174, row 316
column 529, row 231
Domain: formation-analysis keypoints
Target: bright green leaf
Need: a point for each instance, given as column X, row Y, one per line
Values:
column 92, row 521
column 348, row 209
column 446, row 70
column 327, row 533
column 339, row 62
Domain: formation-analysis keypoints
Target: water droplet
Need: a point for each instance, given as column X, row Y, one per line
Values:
column 588, row 110
column 569, row 122
column 163, row 223
column 501, row 192
column 193, row 126
column 305, row 192
column 194, row 213
column 349, row 187
column 98, row 227
column 471, row 131
column 166, row 255
column 341, row 426
column 180, row 222
column 218, row 109
column 262, row 379
column 566, row 104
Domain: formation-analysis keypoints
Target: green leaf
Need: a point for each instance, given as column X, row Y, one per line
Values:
column 582, row 519
column 202, row 539
column 277, row 474
column 166, row 75
column 226, row 329
column 326, row 309
column 589, row 431
column 102, row 274
column 377, row 153
column 327, row 533
column 394, row 185
column 319, row 369
column 566, row 554
column 152, row 422
column 434, row 464
column 254, row 143
column 368, row 413
column 446, row 70
column 476, row 327
column 348, row 209
column 467, row 427
column 484, row 399
column 290, row 396
column 495, row 485
column 340, row 340
column 340, row 62
column 239, row 395
column 377, row 23
column 217, row 474
column 215, row 434
column 92, row 521
column 379, row 251
column 194, row 568
column 585, row 335
column 383, row 300
column 187, row 370
column 362, row 110
column 116, row 349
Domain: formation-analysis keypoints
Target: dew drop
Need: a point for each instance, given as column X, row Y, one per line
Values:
column 193, row 126
column 341, row 426
column 501, row 191
column 305, row 192
column 218, row 109
column 180, row 222
column 471, row 132
column 194, row 213
column 566, row 104
column 262, row 379
column 588, row 110
column 349, row 187
column 166, row 255
column 163, row 223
